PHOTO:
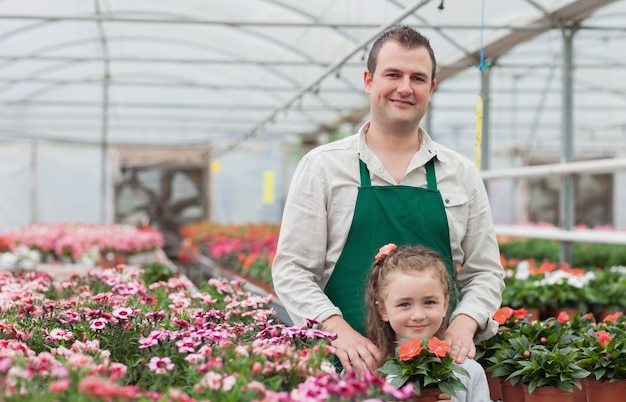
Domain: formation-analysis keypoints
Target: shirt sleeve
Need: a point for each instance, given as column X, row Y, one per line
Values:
column 476, row 384
column 298, row 270
column 480, row 279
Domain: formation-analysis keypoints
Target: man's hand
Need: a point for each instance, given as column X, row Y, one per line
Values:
column 355, row 352
column 460, row 336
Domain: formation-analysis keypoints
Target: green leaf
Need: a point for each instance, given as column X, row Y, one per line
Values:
column 399, row 381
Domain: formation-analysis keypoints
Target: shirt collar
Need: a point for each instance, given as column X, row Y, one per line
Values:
column 428, row 148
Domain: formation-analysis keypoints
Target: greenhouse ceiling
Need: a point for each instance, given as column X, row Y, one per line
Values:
column 226, row 73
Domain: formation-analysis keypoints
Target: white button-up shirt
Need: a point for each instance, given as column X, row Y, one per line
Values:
column 318, row 215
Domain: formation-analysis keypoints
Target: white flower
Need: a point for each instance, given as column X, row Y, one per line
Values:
column 618, row 268
column 577, row 281
column 553, row 278
column 8, row 260
column 522, row 271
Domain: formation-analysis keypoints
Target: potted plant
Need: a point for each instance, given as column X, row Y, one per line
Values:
column 603, row 353
column 505, row 362
column 508, row 319
column 555, row 368
column 607, row 294
column 428, row 364
column 533, row 355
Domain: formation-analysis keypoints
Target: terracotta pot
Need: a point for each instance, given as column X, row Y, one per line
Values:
column 547, row 394
column 112, row 259
column 428, row 395
column 534, row 314
column 495, row 388
column 580, row 395
column 602, row 391
column 512, row 393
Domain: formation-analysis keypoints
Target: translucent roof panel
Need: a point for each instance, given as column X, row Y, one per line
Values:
column 223, row 73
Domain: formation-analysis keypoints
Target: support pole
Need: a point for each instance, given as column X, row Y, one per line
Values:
column 566, row 194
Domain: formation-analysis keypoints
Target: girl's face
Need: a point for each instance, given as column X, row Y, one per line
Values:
column 414, row 304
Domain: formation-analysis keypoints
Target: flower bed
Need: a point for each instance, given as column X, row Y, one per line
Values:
column 110, row 336
column 247, row 249
column 551, row 286
column 559, row 352
column 89, row 244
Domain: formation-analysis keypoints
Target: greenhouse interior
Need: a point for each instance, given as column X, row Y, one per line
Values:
column 148, row 148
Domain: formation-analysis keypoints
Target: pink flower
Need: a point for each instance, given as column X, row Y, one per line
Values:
column 123, row 313
column 99, row 324
column 60, row 385
column 160, row 365
column 228, row 382
column 58, row 334
column 106, row 389
column 187, row 345
column 256, row 368
column 147, row 342
column 78, row 360
column 256, row 386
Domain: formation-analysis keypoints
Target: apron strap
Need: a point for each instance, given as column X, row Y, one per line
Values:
column 365, row 175
column 431, row 179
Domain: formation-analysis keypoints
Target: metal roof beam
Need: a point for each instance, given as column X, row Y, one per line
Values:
column 572, row 13
column 278, row 24
column 147, row 60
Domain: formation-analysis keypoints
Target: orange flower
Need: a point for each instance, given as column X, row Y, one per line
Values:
column 520, row 313
column 385, row 250
column 546, row 266
column 603, row 337
column 503, row 314
column 438, row 347
column 410, row 349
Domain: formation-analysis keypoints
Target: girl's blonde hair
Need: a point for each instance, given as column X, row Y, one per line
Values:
column 406, row 259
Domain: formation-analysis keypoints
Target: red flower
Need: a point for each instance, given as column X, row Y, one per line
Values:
column 520, row 313
column 612, row 317
column 503, row 314
column 438, row 347
column 563, row 317
column 603, row 337
column 410, row 348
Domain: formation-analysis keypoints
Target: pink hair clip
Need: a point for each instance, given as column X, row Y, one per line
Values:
column 385, row 250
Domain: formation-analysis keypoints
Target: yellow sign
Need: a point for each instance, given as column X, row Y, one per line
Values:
column 479, row 131
column 216, row 166
column 268, row 187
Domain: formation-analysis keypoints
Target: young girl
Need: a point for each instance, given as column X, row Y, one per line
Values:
column 407, row 297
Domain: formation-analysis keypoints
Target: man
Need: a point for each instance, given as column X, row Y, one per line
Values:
column 389, row 183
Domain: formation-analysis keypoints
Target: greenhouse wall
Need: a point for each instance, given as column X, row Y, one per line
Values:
column 48, row 182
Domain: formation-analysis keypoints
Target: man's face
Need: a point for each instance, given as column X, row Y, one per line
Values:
column 401, row 87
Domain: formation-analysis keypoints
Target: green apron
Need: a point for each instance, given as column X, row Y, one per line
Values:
column 387, row 214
